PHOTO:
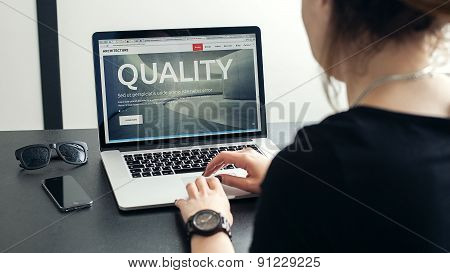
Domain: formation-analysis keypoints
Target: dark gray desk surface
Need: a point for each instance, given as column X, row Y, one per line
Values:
column 30, row 222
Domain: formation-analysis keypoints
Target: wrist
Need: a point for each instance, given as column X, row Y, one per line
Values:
column 197, row 238
column 219, row 242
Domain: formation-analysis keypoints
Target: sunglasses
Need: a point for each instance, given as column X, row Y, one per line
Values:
column 38, row 156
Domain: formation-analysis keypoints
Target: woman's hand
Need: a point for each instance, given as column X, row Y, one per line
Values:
column 205, row 193
column 248, row 159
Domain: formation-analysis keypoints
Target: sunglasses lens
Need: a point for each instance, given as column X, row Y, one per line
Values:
column 73, row 153
column 35, row 157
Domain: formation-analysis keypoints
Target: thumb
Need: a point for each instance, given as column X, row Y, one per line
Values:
column 236, row 182
column 180, row 203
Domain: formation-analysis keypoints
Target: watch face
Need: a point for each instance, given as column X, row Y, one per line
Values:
column 206, row 220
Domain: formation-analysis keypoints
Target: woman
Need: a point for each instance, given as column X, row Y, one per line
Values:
column 378, row 176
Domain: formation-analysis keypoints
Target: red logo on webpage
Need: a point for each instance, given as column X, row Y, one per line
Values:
column 197, row 47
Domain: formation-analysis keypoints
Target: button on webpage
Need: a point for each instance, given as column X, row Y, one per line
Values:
column 131, row 120
column 197, row 47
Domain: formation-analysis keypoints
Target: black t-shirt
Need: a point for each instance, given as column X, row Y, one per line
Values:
column 366, row 180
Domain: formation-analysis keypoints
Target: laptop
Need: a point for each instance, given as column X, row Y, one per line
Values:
column 168, row 101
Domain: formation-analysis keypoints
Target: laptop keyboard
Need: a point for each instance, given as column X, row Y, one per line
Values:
column 176, row 162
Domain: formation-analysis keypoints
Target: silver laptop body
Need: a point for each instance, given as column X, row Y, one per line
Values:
column 168, row 101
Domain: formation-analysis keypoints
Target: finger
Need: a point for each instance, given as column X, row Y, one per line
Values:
column 211, row 167
column 192, row 190
column 246, row 150
column 249, row 150
column 235, row 158
column 216, row 161
column 201, row 185
column 236, row 182
column 180, row 203
column 214, row 169
column 214, row 183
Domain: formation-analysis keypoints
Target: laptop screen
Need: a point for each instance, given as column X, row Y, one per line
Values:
column 180, row 86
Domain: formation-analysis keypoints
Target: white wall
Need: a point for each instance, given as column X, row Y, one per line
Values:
column 287, row 58
column 20, row 82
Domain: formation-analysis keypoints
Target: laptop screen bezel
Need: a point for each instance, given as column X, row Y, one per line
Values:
column 96, row 37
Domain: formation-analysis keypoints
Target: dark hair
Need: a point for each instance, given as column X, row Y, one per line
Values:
column 359, row 23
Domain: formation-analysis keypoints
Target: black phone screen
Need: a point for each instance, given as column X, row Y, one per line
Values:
column 67, row 193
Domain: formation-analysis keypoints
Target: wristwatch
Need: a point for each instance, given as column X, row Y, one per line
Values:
column 206, row 223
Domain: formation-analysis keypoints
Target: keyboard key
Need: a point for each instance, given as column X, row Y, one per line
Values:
column 136, row 167
column 156, row 173
column 129, row 159
column 166, row 168
column 176, row 167
column 146, row 174
column 167, row 172
column 136, row 175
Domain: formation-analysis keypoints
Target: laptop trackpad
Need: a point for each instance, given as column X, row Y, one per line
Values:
column 230, row 191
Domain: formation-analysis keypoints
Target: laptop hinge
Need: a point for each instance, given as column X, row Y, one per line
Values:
column 179, row 144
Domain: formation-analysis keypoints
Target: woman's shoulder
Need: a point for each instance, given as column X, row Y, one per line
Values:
column 368, row 124
column 318, row 148
column 334, row 129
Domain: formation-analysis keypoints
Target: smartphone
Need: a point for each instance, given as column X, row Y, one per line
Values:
column 67, row 193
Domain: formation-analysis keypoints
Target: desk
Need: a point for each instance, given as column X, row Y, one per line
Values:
column 30, row 222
